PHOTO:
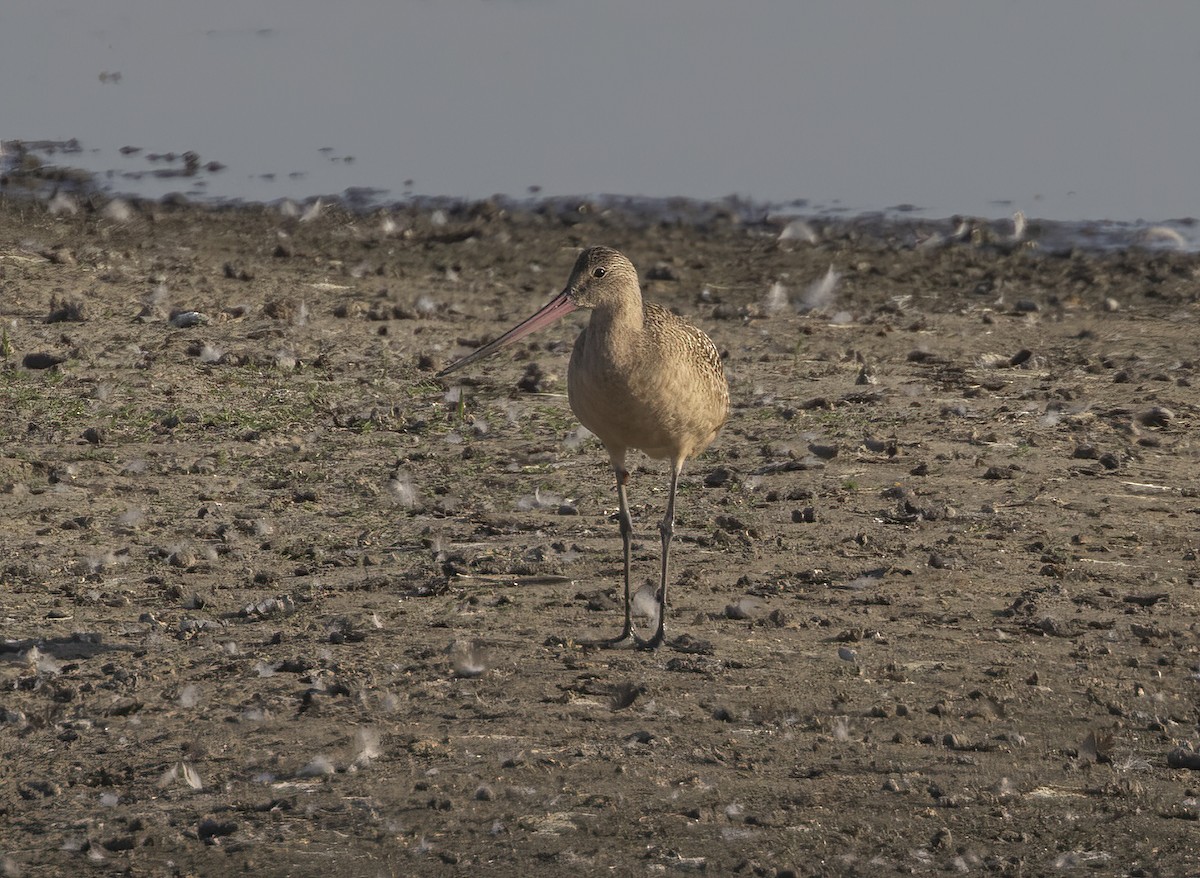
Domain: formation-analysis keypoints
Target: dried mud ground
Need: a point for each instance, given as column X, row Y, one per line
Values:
column 274, row 599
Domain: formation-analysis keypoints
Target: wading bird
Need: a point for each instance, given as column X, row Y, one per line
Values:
column 640, row 377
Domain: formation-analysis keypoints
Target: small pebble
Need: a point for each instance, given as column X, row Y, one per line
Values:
column 185, row 319
column 41, row 360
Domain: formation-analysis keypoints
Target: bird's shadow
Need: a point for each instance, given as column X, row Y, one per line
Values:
column 80, row 645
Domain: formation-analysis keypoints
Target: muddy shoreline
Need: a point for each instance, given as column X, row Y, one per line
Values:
column 276, row 599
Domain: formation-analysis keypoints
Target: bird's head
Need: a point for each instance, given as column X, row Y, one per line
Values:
column 602, row 277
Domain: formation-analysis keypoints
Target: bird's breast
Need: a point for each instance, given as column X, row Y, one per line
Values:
column 668, row 400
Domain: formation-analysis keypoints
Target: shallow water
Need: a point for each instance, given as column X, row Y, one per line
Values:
column 1075, row 111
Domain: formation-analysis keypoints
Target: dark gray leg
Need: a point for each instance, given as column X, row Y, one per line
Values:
column 625, row 639
column 666, row 528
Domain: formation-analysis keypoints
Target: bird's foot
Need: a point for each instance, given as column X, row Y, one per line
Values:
column 624, row 640
column 684, row 643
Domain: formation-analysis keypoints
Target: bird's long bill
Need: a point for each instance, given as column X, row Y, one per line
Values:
column 559, row 306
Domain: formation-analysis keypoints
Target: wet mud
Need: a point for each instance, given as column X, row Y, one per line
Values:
column 275, row 599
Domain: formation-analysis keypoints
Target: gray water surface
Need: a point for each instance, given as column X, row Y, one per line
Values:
column 1077, row 109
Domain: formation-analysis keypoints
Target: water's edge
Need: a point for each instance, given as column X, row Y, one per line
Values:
column 32, row 169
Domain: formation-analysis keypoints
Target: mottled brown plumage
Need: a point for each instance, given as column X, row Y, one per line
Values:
column 640, row 377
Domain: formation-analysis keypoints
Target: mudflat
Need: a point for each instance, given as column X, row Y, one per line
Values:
column 276, row 600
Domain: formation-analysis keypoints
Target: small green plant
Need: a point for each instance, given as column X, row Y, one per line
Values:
column 6, row 348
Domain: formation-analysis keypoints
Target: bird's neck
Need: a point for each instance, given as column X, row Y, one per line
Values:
column 619, row 322
column 618, row 328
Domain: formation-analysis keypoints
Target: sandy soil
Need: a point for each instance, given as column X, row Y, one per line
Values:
column 275, row 600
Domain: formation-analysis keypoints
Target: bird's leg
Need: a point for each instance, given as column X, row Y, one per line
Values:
column 666, row 528
column 626, row 638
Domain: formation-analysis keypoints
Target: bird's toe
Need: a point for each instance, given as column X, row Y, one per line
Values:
column 625, row 640
column 685, row 643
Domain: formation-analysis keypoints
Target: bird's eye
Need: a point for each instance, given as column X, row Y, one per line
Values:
column 599, row 272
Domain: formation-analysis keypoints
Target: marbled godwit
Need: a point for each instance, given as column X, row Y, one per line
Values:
column 640, row 377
